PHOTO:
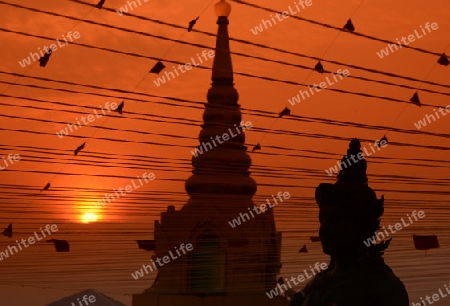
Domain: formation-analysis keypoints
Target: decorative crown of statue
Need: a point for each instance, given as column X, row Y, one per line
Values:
column 353, row 168
column 352, row 193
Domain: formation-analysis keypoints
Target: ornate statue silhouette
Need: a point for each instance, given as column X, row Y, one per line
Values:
column 349, row 213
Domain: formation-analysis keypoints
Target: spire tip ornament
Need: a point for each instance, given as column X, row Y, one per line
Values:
column 222, row 9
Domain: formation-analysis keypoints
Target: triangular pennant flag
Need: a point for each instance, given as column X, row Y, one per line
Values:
column 319, row 67
column 257, row 147
column 303, row 249
column 314, row 238
column 120, row 107
column 60, row 245
column 79, row 149
column 148, row 245
column 159, row 66
column 415, row 99
column 100, row 4
column 44, row 60
column 425, row 242
column 385, row 141
column 192, row 23
column 286, row 111
column 46, row 187
column 443, row 60
column 349, row 26
column 8, row 231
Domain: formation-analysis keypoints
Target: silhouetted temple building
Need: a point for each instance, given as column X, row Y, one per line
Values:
column 227, row 266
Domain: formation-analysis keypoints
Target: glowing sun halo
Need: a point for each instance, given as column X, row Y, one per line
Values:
column 89, row 217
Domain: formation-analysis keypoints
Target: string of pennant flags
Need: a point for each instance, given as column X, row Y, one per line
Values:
column 63, row 245
column 158, row 67
column 349, row 27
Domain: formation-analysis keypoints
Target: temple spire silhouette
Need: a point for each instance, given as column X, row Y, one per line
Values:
column 228, row 265
column 222, row 115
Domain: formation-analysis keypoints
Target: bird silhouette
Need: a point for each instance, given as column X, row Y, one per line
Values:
column 319, row 67
column 46, row 187
column 349, row 26
column 79, row 148
column 443, row 60
column 286, row 111
column 44, row 60
column 159, row 66
column 100, row 4
column 257, row 147
column 8, row 231
column 192, row 23
column 415, row 99
column 120, row 107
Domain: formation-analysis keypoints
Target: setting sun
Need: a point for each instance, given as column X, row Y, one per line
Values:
column 89, row 217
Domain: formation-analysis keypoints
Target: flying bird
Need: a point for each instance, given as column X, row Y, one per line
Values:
column 60, row 245
column 79, row 149
column 257, row 147
column 46, row 187
column 286, row 111
column 192, row 23
column 303, row 249
column 44, row 60
column 8, row 231
column 319, row 67
column 159, row 66
column 100, row 4
column 120, row 107
column 443, row 60
column 415, row 99
column 349, row 26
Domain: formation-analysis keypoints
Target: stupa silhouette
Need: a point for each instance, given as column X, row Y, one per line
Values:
column 227, row 266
